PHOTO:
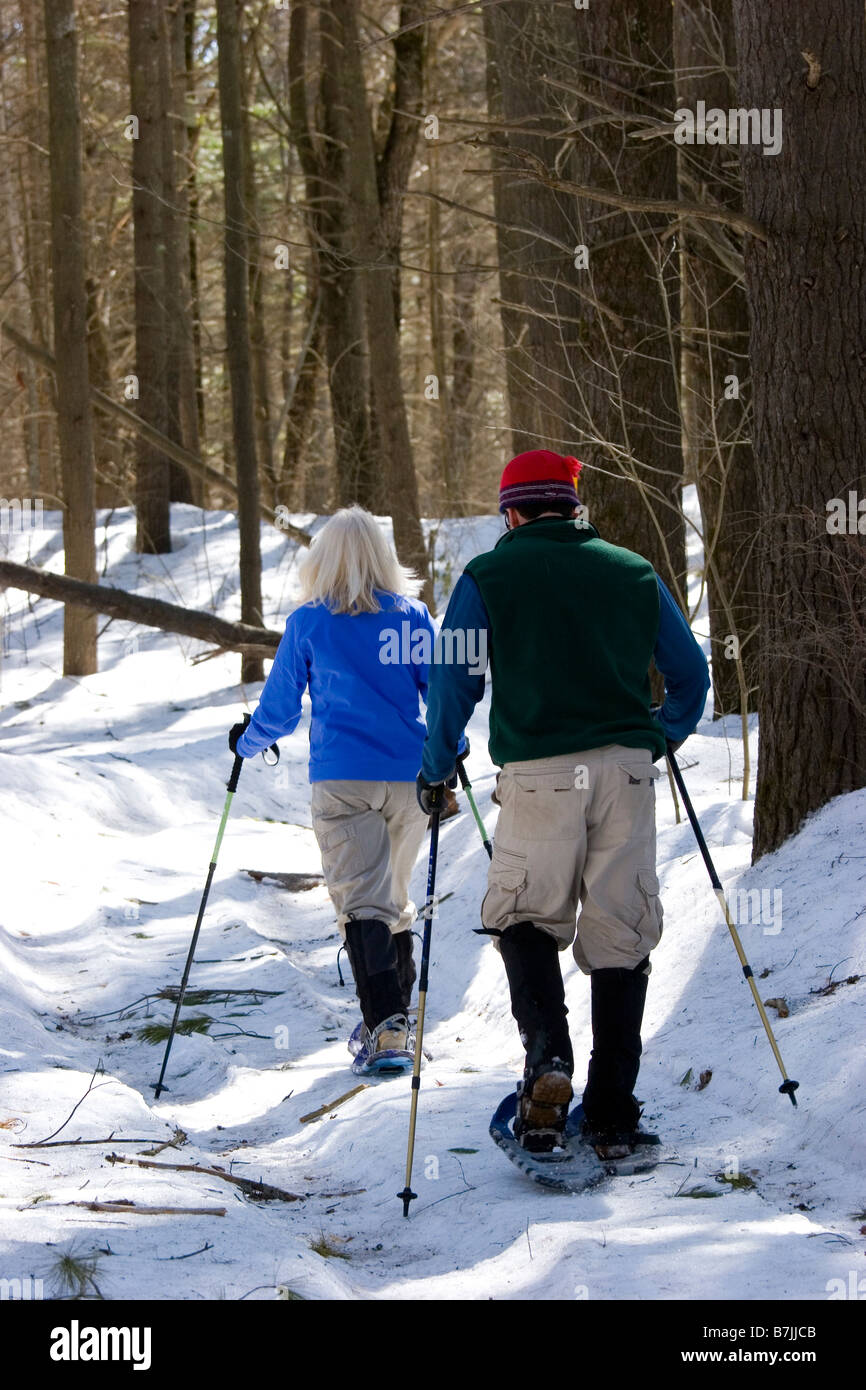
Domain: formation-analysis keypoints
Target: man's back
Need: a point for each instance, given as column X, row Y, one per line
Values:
column 573, row 623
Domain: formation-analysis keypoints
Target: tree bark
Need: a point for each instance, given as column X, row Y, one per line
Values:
column 624, row 367
column 183, row 337
column 807, row 295
column 147, row 90
column 237, row 322
column 257, row 642
column 371, row 253
column 70, row 327
column 256, row 265
column 715, row 340
column 323, row 157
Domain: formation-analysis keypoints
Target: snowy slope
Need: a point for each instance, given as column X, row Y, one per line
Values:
column 111, row 788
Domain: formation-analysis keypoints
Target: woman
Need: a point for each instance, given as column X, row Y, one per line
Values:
column 362, row 641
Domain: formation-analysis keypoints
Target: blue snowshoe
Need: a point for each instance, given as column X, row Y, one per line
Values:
column 388, row 1050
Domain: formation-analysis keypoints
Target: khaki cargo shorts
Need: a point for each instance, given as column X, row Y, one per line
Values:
column 578, row 831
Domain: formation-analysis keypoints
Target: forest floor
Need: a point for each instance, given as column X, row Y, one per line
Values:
column 111, row 788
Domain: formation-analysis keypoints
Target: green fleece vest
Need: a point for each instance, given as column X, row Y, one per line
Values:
column 573, row 624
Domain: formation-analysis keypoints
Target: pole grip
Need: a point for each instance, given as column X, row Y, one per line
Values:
column 232, row 783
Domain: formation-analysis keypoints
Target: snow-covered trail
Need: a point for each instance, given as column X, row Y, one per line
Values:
column 111, row 790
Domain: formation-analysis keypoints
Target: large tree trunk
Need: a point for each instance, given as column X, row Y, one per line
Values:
column 182, row 172
column 371, row 250
column 237, row 323
column 70, row 327
column 807, row 295
column 541, row 306
column 191, row 190
column 715, row 324
column 625, row 367
column 147, row 89
column 34, row 196
column 256, row 268
column 323, row 157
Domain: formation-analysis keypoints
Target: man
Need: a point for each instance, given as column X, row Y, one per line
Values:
column 571, row 626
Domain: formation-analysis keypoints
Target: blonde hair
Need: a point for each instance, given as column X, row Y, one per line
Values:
column 348, row 559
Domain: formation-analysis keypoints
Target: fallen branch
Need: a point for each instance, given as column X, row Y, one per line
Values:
column 77, row 1143
column 259, row 1191
column 99, row 1070
column 130, row 1209
column 133, row 608
column 332, row 1105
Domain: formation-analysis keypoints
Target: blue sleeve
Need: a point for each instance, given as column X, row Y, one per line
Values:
column 456, row 679
column 280, row 704
column 684, row 667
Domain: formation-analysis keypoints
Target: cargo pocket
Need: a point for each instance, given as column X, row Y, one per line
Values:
column 543, row 805
column 505, row 884
column 649, row 926
column 342, row 858
column 640, row 774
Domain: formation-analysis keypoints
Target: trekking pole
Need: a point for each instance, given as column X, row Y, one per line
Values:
column 467, row 787
column 407, row 1195
column 787, row 1087
column 231, row 786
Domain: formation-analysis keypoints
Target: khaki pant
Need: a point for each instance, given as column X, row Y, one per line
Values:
column 579, row 829
column 369, row 834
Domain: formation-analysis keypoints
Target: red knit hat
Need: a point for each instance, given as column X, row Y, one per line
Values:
column 539, row 476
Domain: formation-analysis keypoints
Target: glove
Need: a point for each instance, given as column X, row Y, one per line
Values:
column 234, row 734
column 431, row 795
column 461, row 757
column 655, row 711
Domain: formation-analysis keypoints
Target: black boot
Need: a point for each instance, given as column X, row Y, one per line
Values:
column 404, row 943
column 373, row 958
column 610, row 1110
column 531, row 960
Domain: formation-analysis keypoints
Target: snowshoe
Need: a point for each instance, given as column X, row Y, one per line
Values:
column 575, row 1165
column 389, row 1048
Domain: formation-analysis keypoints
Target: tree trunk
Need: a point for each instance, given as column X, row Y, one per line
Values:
column 70, row 327
column 715, row 329
column 109, row 484
column 323, row 160
column 191, row 186
column 256, row 266
column 237, row 324
column 511, row 241
column 182, row 316
column 371, row 253
column 147, row 90
column 38, row 254
column 807, row 295
column 624, row 370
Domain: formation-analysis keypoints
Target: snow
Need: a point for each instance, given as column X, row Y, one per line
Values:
column 112, row 787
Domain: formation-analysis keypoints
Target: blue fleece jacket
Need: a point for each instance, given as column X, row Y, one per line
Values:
column 367, row 675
